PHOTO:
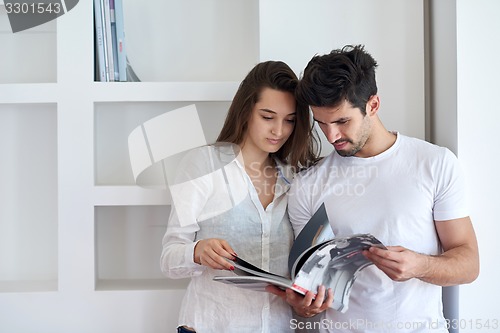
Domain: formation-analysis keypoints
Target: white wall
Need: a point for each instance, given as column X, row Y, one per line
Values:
column 391, row 30
column 441, row 124
column 478, row 50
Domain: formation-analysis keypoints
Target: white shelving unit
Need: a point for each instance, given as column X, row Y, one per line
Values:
column 79, row 241
column 90, row 240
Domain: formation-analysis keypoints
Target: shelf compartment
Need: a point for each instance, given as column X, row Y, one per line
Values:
column 28, row 56
column 204, row 40
column 128, row 248
column 28, row 197
column 113, row 122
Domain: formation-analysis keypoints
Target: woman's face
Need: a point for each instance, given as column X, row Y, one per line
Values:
column 271, row 122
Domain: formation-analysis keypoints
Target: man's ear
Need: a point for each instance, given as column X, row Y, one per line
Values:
column 373, row 105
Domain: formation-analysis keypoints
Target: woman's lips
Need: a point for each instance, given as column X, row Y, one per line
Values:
column 274, row 141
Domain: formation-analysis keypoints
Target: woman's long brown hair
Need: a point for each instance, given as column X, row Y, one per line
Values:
column 299, row 149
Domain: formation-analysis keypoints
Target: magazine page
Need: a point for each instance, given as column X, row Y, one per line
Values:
column 244, row 268
column 336, row 264
column 253, row 282
column 303, row 257
column 316, row 231
column 249, row 276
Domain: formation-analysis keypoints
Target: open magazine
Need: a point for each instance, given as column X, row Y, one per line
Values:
column 316, row 258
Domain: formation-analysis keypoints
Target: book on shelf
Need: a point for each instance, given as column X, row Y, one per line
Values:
column 114, row 39
column 100, row 43
column 111, row 59
column 120, row 41
column 108, row 38
column 316, row 258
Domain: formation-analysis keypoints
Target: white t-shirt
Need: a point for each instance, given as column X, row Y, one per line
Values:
column 218, row 200
column 396, row 196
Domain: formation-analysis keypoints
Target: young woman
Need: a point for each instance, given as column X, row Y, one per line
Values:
column 233, row 201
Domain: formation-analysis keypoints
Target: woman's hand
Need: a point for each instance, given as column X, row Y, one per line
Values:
column 308, row 306
column 213, row 252
column 305, row 306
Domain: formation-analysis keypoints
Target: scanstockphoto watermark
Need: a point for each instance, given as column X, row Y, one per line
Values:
column 339, row 181
column 348, row 187
column 27, row 14
column 343, row 181
column 364, row 324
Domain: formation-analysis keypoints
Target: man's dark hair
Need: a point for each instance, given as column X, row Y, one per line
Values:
column 343, row 74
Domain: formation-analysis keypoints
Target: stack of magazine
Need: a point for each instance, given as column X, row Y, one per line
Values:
column 111, row 54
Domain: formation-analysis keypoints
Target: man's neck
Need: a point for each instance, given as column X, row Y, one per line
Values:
column 379, row 141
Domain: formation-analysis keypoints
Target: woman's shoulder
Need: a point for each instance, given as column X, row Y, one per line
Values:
column 203, row 160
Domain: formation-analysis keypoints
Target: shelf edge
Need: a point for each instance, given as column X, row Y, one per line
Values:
column 129, row 196
column 163, row 91
column 28, row 93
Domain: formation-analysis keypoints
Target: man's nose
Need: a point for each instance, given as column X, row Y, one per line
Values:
column 332, row 133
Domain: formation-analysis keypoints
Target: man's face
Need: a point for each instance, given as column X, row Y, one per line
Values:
column 345, row 127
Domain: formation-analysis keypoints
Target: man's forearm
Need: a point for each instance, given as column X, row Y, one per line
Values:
column 459, row 265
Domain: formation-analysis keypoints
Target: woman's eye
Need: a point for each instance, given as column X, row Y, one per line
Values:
column 267, row 118
column 291, row 121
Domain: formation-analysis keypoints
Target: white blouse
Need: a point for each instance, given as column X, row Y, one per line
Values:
column 214, row 198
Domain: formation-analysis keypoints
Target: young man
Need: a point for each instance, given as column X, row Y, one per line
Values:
column 406, row 192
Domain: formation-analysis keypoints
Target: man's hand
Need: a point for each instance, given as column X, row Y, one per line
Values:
column 458, row 264
column 305, row 306
column 213, row 252
column 398, row 263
